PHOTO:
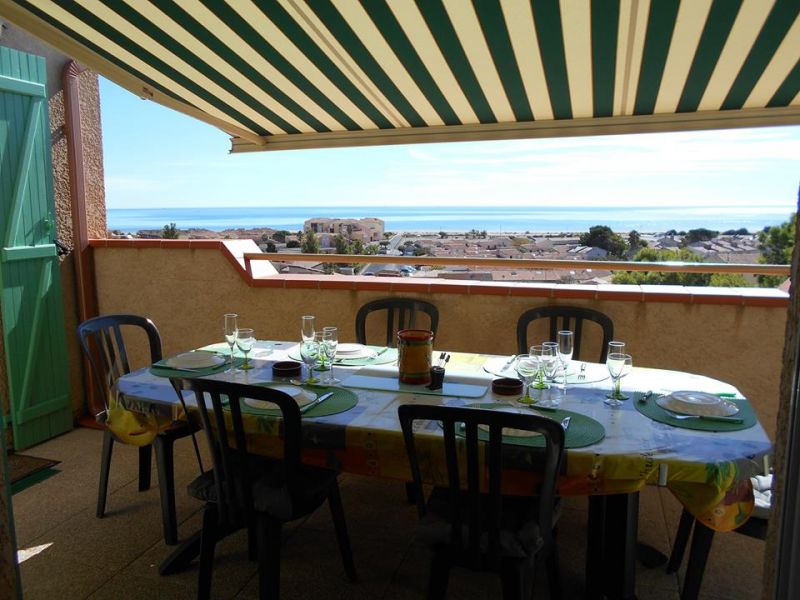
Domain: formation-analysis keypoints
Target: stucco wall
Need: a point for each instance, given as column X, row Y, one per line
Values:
column 187, row 291
column 95, row 191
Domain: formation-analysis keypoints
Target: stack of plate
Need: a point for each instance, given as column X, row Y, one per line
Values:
column 194, row 360
column 345, row 351
column 697, row 403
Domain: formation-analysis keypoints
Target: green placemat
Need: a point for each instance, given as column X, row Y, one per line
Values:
column 341, row 401
column 582, row 431
column 385, row 356
column 650, row 409
column 161, row 370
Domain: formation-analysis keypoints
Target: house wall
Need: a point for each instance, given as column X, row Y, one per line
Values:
column 89, row 93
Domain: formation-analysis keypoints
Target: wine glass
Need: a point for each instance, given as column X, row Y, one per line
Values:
column 618, row 364
column 330, row 340
column 616, row 347
column 536, row 354
column 309, row 352
column 245, row 340
column 527, row 368
column 230, row 333
column 566, row 341
column 307, row 328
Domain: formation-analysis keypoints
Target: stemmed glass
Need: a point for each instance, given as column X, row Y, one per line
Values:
column 550, row 360
column 527, row 368
column 330, row 340
column 230, row 333
column 618, row 364
column 245, row 340
column 537, row 355
column 307, row 328
column 566, row 341
column 309, row 352
column 616, row 347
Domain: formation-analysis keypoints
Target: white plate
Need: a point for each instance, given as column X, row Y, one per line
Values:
column 195, row 360
column 301, row 396
column 344, row 351
column 697, row 403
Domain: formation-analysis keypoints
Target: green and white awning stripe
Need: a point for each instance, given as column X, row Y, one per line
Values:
column 347, row 72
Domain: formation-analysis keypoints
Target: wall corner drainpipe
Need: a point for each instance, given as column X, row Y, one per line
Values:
column 84, row 268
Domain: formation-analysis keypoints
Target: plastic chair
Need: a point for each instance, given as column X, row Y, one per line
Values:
column 103, row 343
column 702, row 537
column 401, row 313
column 565, row 317
column 247, row 490
column 486, row 531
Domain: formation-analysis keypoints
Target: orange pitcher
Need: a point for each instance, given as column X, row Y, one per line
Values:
column 415, row 350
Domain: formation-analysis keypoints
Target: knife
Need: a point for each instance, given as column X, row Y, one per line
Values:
column 319, row 400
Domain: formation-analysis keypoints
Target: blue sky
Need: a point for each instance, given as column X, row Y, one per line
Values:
column 156, row 157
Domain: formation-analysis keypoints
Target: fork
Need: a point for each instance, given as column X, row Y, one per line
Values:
column 582, row 374
column 708, row 418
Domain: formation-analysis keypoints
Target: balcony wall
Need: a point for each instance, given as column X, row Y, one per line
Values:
column 185, row 287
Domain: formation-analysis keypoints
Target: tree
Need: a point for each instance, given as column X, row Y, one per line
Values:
column 443, row 235
column 729, row 280
column 635, row 242
column 342, row 245
column 662, row 278
column 280, row 236
column 602, row 236
column 271, row 247
column 170, row 232
column 310, row 243
column 776, row 244
column 740, row 231
column 699, row 235
column 357, row 247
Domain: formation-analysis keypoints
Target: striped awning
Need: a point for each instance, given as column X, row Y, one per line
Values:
column 280, row 74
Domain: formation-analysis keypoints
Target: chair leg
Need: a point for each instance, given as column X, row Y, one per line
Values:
column 514, row 577
column 342, row 537
column 438, row 577
column 145, row 460
column 698, row 555
column 681, row 539
column 252, row 542
column 166, row 486
column 208, row 542
column 269, row 558
column 105, row 467
column 553, row 574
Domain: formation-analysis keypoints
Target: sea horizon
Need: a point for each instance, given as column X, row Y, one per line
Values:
column 645, row 219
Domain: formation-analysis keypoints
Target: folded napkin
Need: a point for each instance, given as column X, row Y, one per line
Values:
column 762, row 491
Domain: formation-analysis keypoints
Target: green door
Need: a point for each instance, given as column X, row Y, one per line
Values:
column 30, row 289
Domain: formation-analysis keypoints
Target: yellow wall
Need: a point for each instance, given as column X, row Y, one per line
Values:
column 186, row 292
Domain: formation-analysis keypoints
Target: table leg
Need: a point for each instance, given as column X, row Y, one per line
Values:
column 611, row 546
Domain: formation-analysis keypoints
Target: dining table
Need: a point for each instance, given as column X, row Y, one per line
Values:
column 611, row 452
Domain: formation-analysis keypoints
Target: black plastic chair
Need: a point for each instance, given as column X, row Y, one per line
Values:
column 487, row 531
column 248, row 491
column 401, row 313
column 565, row 317
column 103, row 343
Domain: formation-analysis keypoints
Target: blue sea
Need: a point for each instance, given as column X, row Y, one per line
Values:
column 455, row 219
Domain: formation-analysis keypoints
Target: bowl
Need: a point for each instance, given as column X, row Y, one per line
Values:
column 286, row 368
column 507, row 386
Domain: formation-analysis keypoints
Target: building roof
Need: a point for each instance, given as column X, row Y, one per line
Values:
column 297, row 74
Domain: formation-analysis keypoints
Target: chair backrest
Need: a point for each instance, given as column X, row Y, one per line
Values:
column 401, row 313
column 565, row 317
column 103, row 343
column 221, row 418
column 484, row 514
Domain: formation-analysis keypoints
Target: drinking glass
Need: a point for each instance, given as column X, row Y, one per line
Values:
column 566, row 341
column 245, row 340
column 330, row 340
column 527, row 368
column 230, row 333
column 309, row 352
column 616, row 347
column 618, row 364
column 307, row 328
column 536, row 354
column 550, row 360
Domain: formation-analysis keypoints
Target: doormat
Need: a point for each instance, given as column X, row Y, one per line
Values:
column 23, row 469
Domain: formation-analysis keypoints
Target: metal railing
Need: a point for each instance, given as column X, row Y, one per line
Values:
column 529, row 263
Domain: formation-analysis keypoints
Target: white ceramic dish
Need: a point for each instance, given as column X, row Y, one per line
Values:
column 195, row 360
column 301, row 396
column 344, row 351
column 702, row 404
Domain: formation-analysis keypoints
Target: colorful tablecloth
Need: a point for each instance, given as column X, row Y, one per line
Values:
column 708, row 472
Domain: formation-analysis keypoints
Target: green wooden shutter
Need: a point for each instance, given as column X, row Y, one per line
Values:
column 32, row 309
